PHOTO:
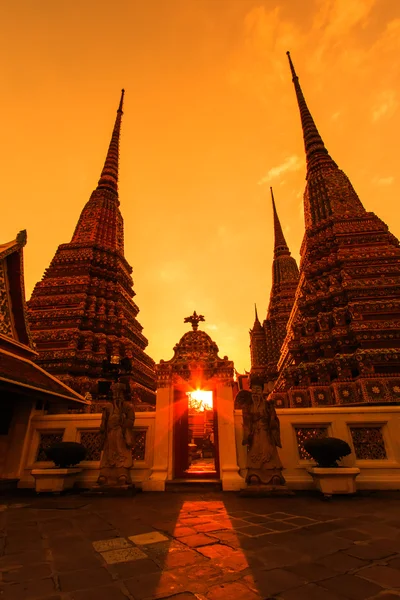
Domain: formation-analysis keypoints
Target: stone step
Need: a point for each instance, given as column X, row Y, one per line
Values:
column 193, row 485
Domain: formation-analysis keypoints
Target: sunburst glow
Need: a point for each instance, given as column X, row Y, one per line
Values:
column 200, row 400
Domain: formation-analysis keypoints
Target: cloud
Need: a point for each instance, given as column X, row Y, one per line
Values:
column 383, row 180
column 211, row 327
column 291, row 163
column 385, row 106
column 336, row 115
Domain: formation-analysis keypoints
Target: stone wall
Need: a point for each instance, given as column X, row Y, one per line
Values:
column 84, row 428
column 373, row 434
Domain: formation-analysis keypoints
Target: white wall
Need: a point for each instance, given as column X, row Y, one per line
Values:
column 375, row 474
column 73, row 425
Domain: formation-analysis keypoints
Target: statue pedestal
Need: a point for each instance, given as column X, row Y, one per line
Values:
column 265, row 491
column 111, row 490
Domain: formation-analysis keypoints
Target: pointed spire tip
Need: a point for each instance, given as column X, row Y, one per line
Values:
column 121, row 102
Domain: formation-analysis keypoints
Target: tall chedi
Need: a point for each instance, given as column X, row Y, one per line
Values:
column 82, row 311
column 266, row 340
column 343, row 342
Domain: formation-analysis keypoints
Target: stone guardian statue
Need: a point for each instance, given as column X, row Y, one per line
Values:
column 261, row 435
column 117, row 428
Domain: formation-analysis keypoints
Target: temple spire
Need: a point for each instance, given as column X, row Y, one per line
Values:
column 109, row 174
column 314, row 146
column 280, row 245
column 329, row 192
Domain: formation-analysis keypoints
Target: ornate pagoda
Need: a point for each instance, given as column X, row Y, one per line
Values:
column 343, row 341
column 266, row 340
column 82, row 311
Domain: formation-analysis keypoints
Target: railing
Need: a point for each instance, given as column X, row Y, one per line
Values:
column 373, row 434
column 45, row 430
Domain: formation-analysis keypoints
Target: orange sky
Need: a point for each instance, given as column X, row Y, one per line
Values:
column 210, row 123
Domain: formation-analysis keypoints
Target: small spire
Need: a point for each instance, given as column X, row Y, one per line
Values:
column 109, row 174
column 280, row 245
column 257, row 325
column 314, row 146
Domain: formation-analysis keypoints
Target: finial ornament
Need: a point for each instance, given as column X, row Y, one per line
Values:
column 294, row 75
column 194, row 320
column 109, row 174
column 255, row 310
column 22, row 237
column 121, row 102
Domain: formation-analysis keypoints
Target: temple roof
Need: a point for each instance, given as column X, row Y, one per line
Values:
column 195, row 356
column 20, row 373
column 16, row 348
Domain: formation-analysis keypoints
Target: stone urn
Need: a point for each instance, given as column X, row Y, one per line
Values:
column 62, row 477
column 335, row 480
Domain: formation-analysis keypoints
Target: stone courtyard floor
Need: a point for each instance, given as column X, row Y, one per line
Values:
column 189, row 546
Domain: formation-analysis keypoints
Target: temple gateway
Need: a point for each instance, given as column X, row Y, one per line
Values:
column 325, row 360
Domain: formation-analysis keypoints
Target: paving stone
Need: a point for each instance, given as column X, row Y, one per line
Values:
column 111, row 544
column 341, row 562
column 352, row 534
column 161, row 550
column 279, row 515
column 123, row 555
column 275, row 557
column 183, row 532
column 84, row 579
column 232, row 591
column 280, row 525
column 190, row 521
column 107, row 592
column 254, row 530
column 311, row 571
column 21, row 545
column 213, row 526
column 384, row 576
column 351, row 586
column 73, row 562
column 153, row 586
column 230, row 538
column 240, row 513
column 181, row 559
column 128, row 569
column 300, row 521
column 26, row 572
column 32, row 556
column 387, row 596
column 394, row 563
column 311, row 591
column 254, row 520
column 272, row 582
column 153, row 537
column 375, row 550
column 30, row 589
column 195, row 541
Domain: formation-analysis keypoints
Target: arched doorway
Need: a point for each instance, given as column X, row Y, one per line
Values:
column 195, row 435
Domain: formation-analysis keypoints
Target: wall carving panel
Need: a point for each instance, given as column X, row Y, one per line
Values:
column 46, row 440
column 368, row 443
column 308, row 433
column 93, row 441
column 139, row 449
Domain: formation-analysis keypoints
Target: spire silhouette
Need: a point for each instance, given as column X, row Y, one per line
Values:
column 280, row 245
column 314, row 146
column 109, row 174
column 100, row 221
column 329, row 192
